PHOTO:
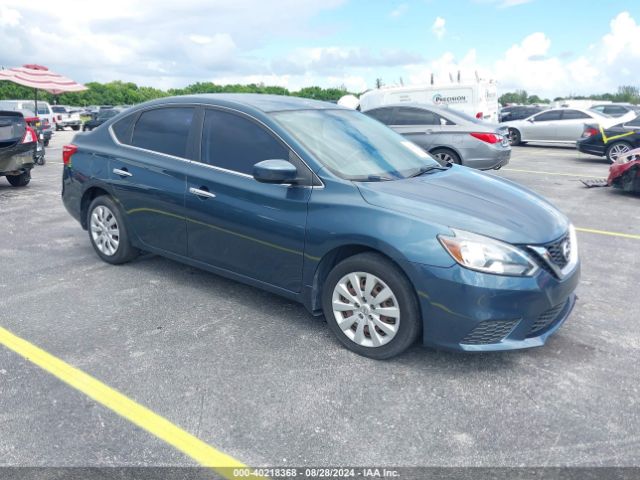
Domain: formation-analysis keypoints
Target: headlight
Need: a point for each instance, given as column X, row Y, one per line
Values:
column 487, row 255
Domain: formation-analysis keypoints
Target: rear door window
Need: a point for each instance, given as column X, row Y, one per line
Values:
column 414, row 116
column 236, row 143
column 548, row 116
column 122, row 128
column 383, row 115
column 164, row 130
column 574, row 115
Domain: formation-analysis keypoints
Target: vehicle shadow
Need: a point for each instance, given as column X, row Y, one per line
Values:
column 296, row 320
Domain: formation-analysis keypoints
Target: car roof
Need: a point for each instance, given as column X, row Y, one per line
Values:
column 421, row 106
column 262, row 102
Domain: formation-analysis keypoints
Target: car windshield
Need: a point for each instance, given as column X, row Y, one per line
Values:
column 354, row 146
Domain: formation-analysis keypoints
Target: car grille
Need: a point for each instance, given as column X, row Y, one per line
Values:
column 489, row 332
column 545, row 319
column 556, row 255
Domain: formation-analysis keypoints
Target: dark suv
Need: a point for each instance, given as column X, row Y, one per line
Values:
column 517, row 112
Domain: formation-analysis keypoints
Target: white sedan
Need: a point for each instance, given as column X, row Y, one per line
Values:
column 558, row 125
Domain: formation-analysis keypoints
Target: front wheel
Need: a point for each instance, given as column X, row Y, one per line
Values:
column 21, row 180
column 514, row 137
column 46, row 143
column 75, row 127
column 108, row 233
column 370, row 306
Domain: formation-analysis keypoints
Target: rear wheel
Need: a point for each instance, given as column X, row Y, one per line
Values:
column 108, row 232
column 616, row 149
column 370, row 306
column 75, row 127
column 21, row 180
column 446, row 156
column 514, row 137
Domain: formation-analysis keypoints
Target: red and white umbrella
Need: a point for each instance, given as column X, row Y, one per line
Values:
column 40, row 78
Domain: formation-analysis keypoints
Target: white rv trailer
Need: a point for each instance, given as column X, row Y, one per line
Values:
column 478, row 99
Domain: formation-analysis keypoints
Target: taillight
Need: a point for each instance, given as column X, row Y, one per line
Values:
column 67, row 153
column 589, row 132
column 59, row 118
column 479, row 115
column 29, row 136
column 45, row 122
column 487, row 137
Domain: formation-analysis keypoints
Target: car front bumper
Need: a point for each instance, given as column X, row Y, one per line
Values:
column 472, row 311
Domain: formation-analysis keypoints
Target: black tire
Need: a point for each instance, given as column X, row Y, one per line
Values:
column 21, row 180
column 75, row 127
column 46, row 143
column 446, row 156
column 515, row 138
column 614, row 146
column 124, row 252
column 410, row 322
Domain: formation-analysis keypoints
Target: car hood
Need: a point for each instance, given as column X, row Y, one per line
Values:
column 474, row 201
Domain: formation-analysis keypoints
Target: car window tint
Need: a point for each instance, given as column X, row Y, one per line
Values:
column 164, row 130
column 615, row 110
column 236, row 143
column 381, row 114
column 414, row 116
column 122, row 128
column 548, row 116
column 573, row 115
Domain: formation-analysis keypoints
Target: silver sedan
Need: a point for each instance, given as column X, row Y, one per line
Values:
column 559, row 125
column 450, row 136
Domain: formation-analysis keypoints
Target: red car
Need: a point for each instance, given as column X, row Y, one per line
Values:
column 626, row 175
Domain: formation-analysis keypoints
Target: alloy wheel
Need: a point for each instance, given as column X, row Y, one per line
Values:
column 618, row 150
column 445, row 157
column 104, row 230
column 366, row 309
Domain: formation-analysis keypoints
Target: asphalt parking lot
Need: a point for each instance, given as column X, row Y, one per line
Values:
column 257, row 377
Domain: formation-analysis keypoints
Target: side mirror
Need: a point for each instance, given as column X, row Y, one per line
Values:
column 531, row 120
column 275, row 171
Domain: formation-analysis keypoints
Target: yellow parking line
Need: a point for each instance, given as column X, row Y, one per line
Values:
column 606, row 232
column 137, row 414
column 552, row 173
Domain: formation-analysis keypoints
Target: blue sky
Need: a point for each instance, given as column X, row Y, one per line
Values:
column 547, row 47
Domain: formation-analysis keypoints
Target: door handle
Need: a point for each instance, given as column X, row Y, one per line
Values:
column 202, row 193
column 122, row 172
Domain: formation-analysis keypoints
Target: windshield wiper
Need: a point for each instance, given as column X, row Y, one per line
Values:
column 427, row 169
column 379, row 178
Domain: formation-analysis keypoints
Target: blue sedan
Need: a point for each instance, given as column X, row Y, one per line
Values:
column 330, row 208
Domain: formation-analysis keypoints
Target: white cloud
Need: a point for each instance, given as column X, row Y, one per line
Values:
column 438, row 28
column 399, row 10
column 9, row 17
